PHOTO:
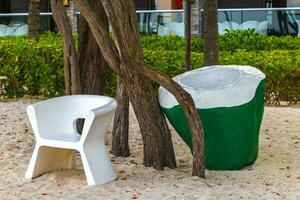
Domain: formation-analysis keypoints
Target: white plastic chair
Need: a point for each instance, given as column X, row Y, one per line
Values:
column 22, row 30
column 162, row 30
column 232, row 25
column 176, row 27
column 250, row 25
column 263, row 27
column 143, row 28
column 3, row 30
column 10, row 30
column 54, row 125
column 222, row 28
column 298, row 23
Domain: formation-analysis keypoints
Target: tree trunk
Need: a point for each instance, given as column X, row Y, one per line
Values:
column 71, row 13
column 92, row 65
column 71, row 70
column 196, row 17
column 125, row 56
column 120, row 145
column 210, row 35
column 34, row 18
column 158, row 148
column 189, row 109
column 187, row 34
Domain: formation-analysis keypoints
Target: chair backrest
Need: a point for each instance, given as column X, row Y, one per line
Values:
column 222, row 28
column 58, row 115
column 143, row 28
column 231, row 25
column 249, row 25
column 263, row 27
column 22, row 30
column 162, row 30
column 153, row 27
column 95, row 124
column 3, row 30
column 10, row 30
column 298, row 24
column 176, row 27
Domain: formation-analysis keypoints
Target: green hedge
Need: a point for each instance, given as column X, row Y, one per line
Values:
column 31, row 67
column 233, row 41
column 36, row 67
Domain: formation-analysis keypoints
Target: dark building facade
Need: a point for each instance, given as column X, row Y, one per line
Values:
column 145, row 4
column 284, row 20
column 173, row 4
column 242, row 3
column 21, row 6
column 258, row 3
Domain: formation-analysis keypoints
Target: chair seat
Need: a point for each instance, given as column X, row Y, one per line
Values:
column 63, row 137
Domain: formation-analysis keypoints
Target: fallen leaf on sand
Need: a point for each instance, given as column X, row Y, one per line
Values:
column 121, row 171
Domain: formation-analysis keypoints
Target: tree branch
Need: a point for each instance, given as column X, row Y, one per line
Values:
column 113, row 56
column 189, row 109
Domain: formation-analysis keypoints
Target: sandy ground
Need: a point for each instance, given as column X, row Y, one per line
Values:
column 275, row 175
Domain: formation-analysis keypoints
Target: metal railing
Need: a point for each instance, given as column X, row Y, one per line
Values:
column 280, row 21
column 267, row 21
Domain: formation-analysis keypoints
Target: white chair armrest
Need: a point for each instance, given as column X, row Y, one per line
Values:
column 105, row 109
column 95, row 122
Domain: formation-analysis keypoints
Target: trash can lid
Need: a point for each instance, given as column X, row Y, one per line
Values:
column 216, row 86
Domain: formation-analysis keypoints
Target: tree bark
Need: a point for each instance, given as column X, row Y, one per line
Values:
column 34, row 18
column 92, row 65
column 189, row 109
column 196, row 17
column 71, row 13
column 120, row 146
column 71, row 70
column 158, row 148
column 187, row 33
column 125, row 57
column 210, row 35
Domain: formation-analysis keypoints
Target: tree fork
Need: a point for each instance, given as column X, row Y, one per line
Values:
column 111, row 53
column 158, row 148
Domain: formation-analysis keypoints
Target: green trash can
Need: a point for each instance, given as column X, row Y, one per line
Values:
column 230, row 103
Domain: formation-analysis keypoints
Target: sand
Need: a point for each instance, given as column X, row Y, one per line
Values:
column 275, row 175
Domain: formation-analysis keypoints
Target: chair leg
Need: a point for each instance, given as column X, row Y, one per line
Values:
column 45, row 159
column 97, row 165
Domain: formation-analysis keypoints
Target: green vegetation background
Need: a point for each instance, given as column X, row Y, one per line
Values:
column 35, row 67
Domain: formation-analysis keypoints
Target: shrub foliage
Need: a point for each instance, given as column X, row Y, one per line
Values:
column 36, row 67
